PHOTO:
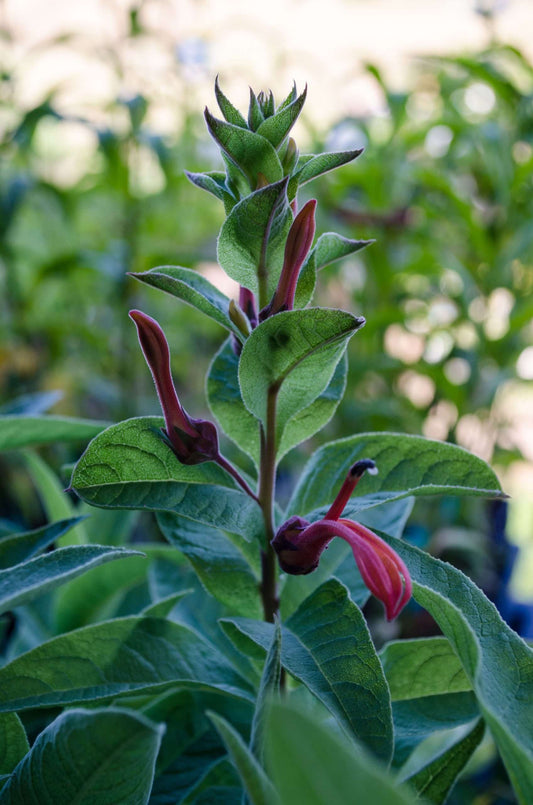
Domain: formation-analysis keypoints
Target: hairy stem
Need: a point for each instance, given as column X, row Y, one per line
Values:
column 267, row 488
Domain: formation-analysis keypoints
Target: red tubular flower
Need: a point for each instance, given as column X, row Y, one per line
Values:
column 299, row 546
column 299, row 241
column 192, row 440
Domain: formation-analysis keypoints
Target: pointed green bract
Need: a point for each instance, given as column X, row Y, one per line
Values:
column 231, row 114
column 195, row 290
column 293, row 355
column 312, row 165
column 277, row 127
column 248, row 151
column 215, row 183
column 255, row 114
column 251, row 243
column 106, row 756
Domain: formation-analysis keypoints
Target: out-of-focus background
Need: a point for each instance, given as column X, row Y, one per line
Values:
column 101, row 112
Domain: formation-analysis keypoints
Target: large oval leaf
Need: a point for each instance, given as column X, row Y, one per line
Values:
column 84, row 756
column 327, row 646
column 498, row 664
column 293, row 355
column 129, row 466
column 408, row 465
column 114, row 658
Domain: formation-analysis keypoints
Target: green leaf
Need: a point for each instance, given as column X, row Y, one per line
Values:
column 231, row 114
column 293, row 355
column 268, row 690
column 191, row 287
column 327, row 646
column 248, row 151
column 331, row 247
column 315, row 416
column 422, row 667
column 408, row 465
column 215, row 183
column 418, row 719
column 55, row 501
column 312, row 765
column 226, row 405
column 251, row 243
column 277, row 127
column 129, row 466
column 312, row 165
column 257, row 785
column 255, row 115
column 119, row 657
column 435, row 781
column 219, row 564
column 163, row 607
column 497, row 662
column 16, row 548
column 13, row 742
column 26, row 431
column 96, row 595
column 87, row 756
column 27, row 581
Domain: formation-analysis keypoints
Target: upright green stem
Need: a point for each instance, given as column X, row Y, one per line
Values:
column 267, row 489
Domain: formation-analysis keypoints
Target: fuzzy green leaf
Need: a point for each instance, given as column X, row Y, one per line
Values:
column 87, row 756
column 268, row 690
column 256, row 784
column 231, row 114
column 422, row 667
column 250, row 152
column 277, row 127
column 312, row 165
column 16, row 548
column 13, row 742
column 255, row 114
column 195, row 290
column 496, row 661
column 18, row 430
column 312, row 765
column 118, row 657
column 129, row 466
column 435, row 781
column 327, row 646
column 29, row 580
column 408, row 465
column 215, row 183
column 251, row 243
column 293, row 355
column 219, row 564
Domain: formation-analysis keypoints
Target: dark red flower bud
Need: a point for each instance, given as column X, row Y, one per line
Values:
column 192, row 440
column 299, row 241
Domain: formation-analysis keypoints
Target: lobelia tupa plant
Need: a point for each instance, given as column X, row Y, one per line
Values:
column 255, row 656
